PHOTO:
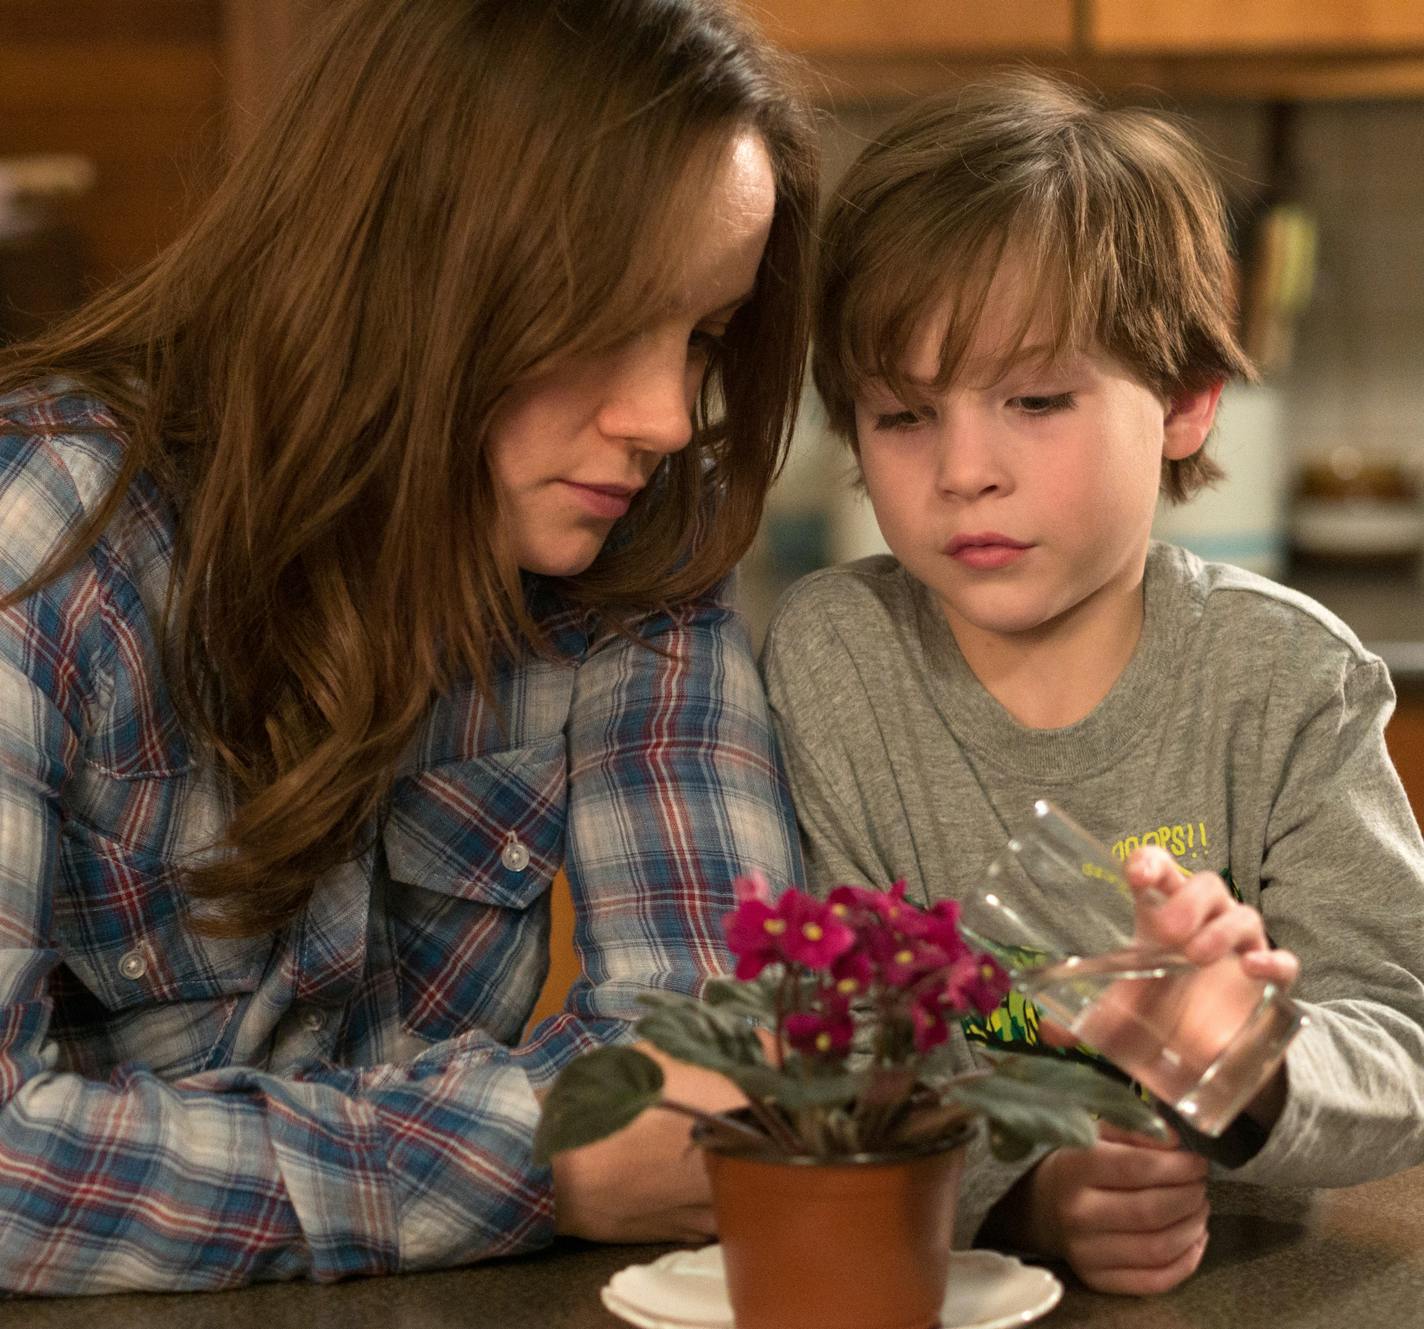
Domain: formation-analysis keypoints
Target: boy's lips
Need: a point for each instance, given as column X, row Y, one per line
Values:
column 986, row 550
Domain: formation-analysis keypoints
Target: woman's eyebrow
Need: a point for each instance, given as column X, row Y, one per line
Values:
column 672, row 306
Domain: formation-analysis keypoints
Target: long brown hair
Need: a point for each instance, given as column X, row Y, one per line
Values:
column 449, row 196
column 1111, row 215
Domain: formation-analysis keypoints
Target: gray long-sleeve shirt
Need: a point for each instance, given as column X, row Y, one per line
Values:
column 1246, row 735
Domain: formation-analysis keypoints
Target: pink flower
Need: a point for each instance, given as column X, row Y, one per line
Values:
column 814, row 935
column 752, row 885
column 852, row 973
column 902, row 961
column 972, row 980
column 989, row 986
column 754, row 933
column 824, row 1032
column 797, row 929
column 931, row 1027
column 941, row 928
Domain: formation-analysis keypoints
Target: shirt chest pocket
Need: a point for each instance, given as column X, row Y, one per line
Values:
column 472, row 848
column 122, row 927
column 489, row 829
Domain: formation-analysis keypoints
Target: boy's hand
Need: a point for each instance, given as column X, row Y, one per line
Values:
column 1129, row 1215
column 1197, row 916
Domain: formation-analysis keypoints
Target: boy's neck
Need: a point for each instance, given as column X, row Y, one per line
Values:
column 1057, row 674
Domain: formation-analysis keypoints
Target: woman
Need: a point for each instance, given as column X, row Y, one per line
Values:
column 363, row 562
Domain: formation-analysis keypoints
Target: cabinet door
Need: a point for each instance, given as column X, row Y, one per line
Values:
column 910, row 27
column 1405, row 738
column 132, row 85
column 259, row 38
column 1216, row 27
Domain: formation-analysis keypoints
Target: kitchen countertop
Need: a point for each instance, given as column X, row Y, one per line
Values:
column 1277, row 1259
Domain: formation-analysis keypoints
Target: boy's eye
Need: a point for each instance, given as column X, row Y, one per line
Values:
column 899, row 420
column 1043, row 405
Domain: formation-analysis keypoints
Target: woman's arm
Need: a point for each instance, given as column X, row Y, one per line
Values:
column 674, row 791
column 230, row 1175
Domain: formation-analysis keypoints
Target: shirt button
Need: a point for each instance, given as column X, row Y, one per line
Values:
column 514, row 856
column 314, row 1019
column 133, row 965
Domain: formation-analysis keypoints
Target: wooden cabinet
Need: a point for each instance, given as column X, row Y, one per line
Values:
column 1405, row 737
column 1216, row 27
column 259, row 38
column 133, row 85
column 1261, row 49
column 898, row 27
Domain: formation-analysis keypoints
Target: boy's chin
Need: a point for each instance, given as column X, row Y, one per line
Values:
column 995, row 620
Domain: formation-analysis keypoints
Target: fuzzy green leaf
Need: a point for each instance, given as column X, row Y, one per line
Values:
column 755, row 1000
column 1006, row 1146
column 599, row 1093
column 1087, row 1088
column 708, row 1036
column 1020, row 1111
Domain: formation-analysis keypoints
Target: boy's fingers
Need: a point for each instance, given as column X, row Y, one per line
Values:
column 1237, row 928
column 1055, row 1035
column 1152, row 867
column 1116, row 1135
column 1275, row 966
column 1137, row 1282
column 1136, row 1163
column 1150, row 1209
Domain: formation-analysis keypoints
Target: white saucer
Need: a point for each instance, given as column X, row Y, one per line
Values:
column 688, row 1290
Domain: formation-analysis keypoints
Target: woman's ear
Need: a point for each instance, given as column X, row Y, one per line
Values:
column 1190, row 416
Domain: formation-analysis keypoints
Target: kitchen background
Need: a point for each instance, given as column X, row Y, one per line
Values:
column 115, row 117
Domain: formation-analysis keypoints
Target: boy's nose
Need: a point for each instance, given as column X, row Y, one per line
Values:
column 967, row 462
column 647, row 399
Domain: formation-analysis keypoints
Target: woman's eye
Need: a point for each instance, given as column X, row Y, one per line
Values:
column 707, row 341
column 1043, row 405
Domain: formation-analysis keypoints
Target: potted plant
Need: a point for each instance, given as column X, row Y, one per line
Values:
column 834, row 1188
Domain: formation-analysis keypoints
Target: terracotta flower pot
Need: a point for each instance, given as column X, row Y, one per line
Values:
column 859, row 1243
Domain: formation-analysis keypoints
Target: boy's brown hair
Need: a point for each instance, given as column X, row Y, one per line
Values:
column 1111, row 218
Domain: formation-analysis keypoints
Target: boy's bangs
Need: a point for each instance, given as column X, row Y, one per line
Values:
column 1044, row 301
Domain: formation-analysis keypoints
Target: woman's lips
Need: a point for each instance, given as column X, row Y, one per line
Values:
column 607, row 501
column 986, row 552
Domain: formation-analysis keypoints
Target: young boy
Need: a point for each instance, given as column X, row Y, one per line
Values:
column 1024, row 328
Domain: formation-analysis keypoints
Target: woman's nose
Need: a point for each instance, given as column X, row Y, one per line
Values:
column 649, row 395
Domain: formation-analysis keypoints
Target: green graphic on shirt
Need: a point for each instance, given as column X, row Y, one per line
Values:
column 1014, row 1022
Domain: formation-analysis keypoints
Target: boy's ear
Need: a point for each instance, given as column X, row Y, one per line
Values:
column 1189, row 419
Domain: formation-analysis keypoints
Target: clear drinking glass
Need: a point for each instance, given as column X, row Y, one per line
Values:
column 1057, row 912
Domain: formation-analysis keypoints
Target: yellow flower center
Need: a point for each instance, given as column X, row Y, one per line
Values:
column 823, row 1041
column 986, row 971
column 904, row 957
column 812, row 931
column 775, row 926
column 848, row 985
column 839, row 910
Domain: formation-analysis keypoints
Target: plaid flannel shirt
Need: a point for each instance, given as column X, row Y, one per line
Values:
column 355, row 1094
